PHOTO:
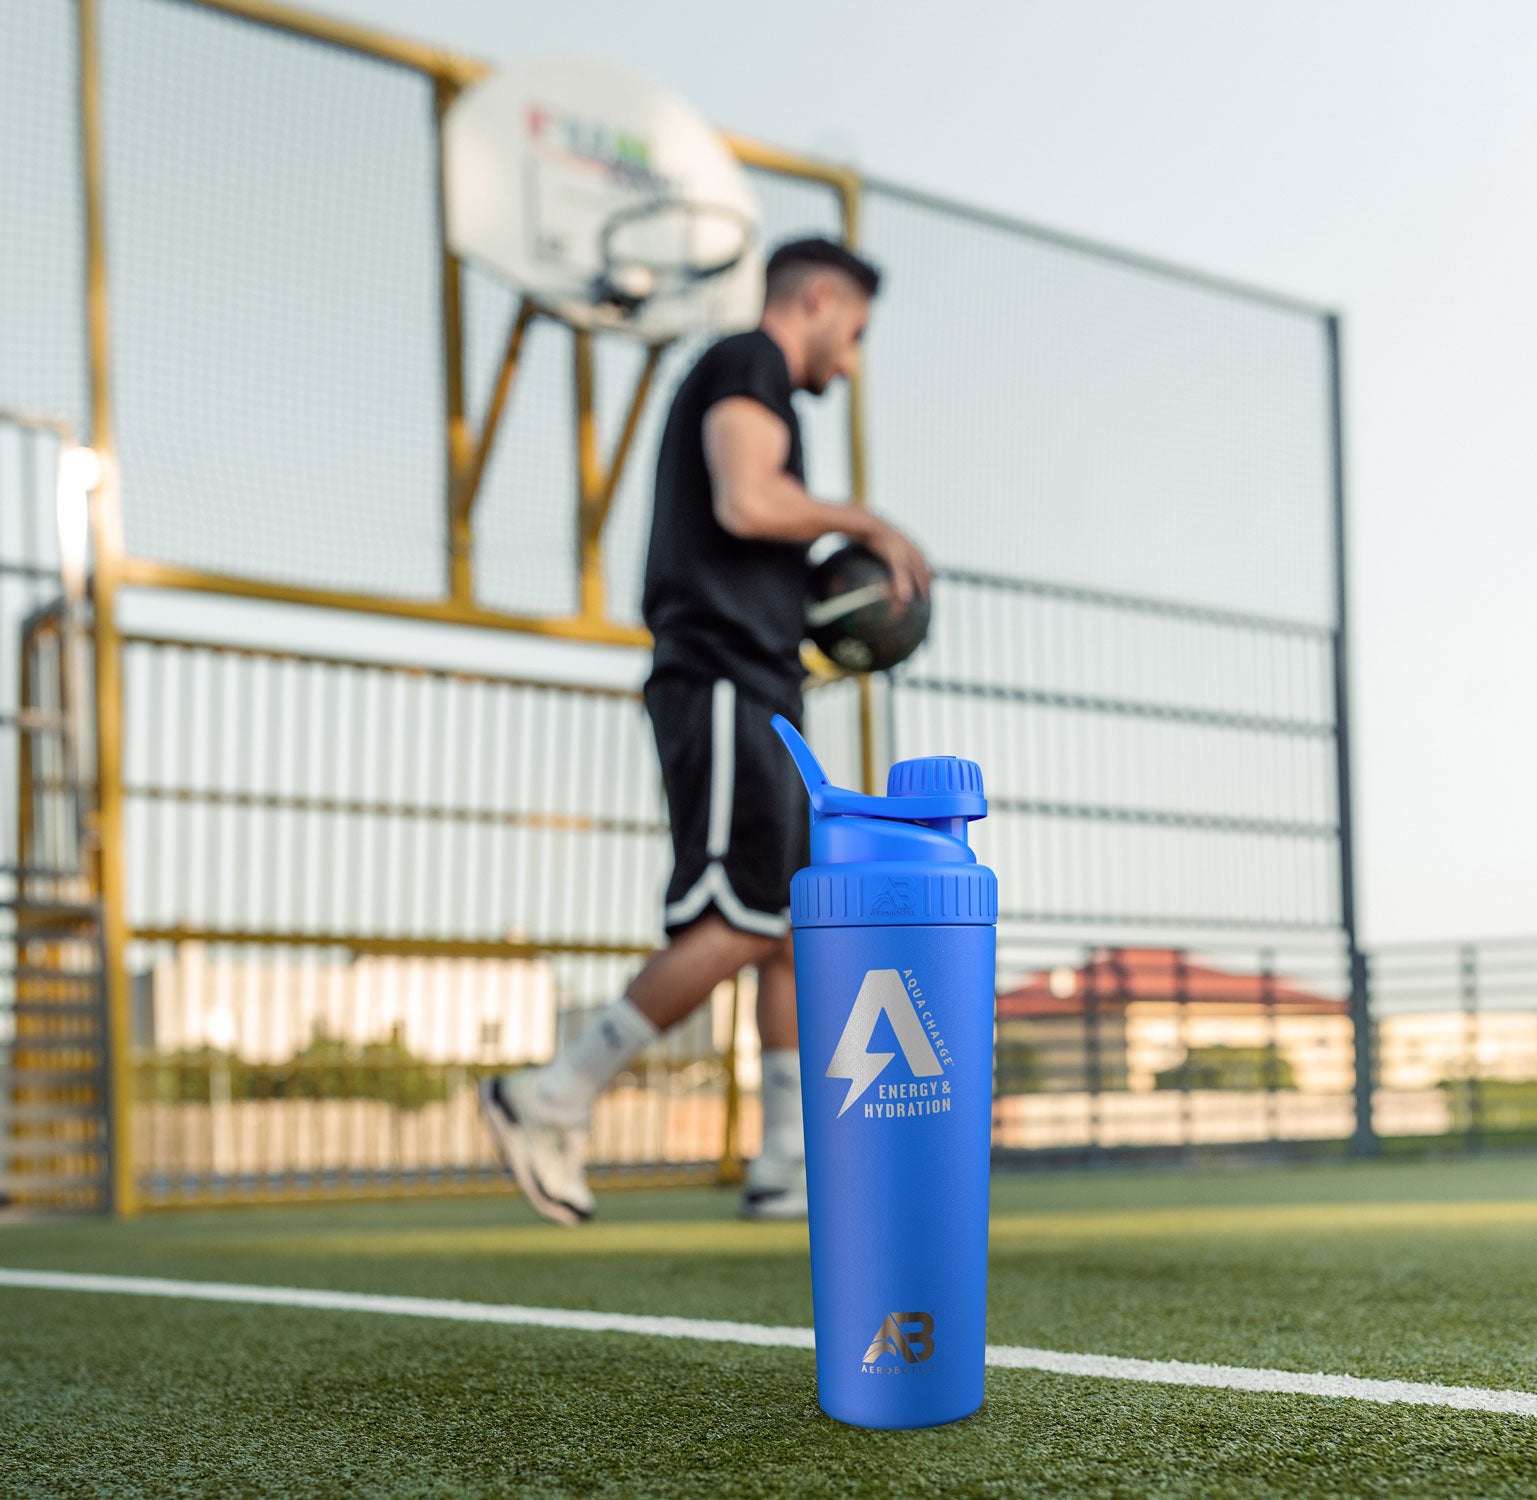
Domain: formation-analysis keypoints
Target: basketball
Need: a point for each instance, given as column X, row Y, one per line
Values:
column 851, row 617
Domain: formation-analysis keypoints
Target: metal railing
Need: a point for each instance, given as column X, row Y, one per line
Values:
column 54, row 1139
column 1183, row 1052
column 1456, row 1042
column 1172, row 1051
column 357, row 887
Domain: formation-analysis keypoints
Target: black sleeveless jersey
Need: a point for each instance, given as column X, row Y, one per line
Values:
column 720, row 605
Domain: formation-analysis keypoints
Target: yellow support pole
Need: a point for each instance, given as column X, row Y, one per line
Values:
column 849, row 190
column 106, row 526
column 466, row 485
column 730, row 1173
column 590, row 481
column 775, row 159
column 435, row 61
column 631, row 424
column 597, row 481
column 461, row 583
column 139, row 572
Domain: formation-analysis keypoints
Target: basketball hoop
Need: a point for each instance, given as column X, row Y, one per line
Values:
column 611, row 205
column 667, row 247
column 608, row 201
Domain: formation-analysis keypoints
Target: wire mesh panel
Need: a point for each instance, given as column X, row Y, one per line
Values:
column 1161, row 778
column 1128, row 476
column 276, row 337
column 42, row 242
column 1152, row 767
column 1055, row 410
column 276, row 300
column 276, row 305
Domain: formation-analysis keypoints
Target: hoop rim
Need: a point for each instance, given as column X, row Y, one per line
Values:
column 686, row 272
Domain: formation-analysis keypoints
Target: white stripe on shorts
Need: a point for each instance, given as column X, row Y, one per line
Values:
column 722, row 765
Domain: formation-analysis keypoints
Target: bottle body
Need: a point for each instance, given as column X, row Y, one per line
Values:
column 896, row 1044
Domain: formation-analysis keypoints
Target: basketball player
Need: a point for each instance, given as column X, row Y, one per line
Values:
column 725, row 591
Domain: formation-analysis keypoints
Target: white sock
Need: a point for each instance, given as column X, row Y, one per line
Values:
column 588, row 1065
column 782, row 1134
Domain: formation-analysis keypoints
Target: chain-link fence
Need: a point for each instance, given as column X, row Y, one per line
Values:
column 351, row 883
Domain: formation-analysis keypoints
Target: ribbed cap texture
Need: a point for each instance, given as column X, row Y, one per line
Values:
column 932, row 775
column 894, row 896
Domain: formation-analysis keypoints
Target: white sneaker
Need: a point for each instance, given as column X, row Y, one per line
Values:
column 544, row 1158
column 775, row 1189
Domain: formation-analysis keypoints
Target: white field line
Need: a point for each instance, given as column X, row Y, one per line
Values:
column 1005, row 1356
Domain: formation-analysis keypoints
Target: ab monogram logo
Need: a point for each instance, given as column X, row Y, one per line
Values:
column 898, row 1337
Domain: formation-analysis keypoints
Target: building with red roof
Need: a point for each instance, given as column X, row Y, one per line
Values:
column 1128, row 1018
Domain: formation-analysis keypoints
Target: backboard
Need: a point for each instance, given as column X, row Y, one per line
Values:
column 604, row 197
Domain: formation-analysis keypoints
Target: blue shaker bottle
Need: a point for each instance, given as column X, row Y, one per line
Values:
column 895, row 932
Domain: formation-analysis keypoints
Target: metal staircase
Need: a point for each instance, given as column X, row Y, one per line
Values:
column 55, row 1145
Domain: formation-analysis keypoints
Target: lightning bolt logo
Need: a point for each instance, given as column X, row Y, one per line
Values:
column 852, row 1060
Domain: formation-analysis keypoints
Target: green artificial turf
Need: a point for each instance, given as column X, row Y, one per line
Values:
column 1417, row 1272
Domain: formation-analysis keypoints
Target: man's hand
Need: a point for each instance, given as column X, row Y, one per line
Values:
column 909, row 569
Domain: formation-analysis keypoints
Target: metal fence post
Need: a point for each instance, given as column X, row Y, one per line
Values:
column 1182, row 1000
column 1092, row 1068
column 1364, row 1141
column 1473, row 1084
column 1272, row 1064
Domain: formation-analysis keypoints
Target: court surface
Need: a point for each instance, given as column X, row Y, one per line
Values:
column 1408, row 1277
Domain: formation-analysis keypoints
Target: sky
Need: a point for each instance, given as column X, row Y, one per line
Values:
column 1375, row 156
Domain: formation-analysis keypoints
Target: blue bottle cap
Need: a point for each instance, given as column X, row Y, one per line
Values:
column 935, row 775
column 901, row 859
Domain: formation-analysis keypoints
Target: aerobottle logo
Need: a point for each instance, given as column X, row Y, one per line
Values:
column 895, row 898
column 899, row 1337
column 882, row 993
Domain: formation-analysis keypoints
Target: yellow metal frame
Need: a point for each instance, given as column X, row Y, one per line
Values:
column 465, row 462
column 107, row 544
column 467, row 454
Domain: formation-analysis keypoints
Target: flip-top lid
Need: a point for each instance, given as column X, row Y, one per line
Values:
column 931, row 787
column 896, row 860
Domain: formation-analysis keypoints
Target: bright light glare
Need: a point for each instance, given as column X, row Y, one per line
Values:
column 220, row 1029
column 1063, row 983
column 79, row 474
column 79, row 469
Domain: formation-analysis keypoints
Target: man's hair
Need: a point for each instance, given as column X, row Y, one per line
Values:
column 792, row 260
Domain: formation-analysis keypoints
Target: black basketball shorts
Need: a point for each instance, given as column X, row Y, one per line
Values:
column 739, row 813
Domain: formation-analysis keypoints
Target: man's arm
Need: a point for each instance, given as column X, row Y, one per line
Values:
column 745, row 447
